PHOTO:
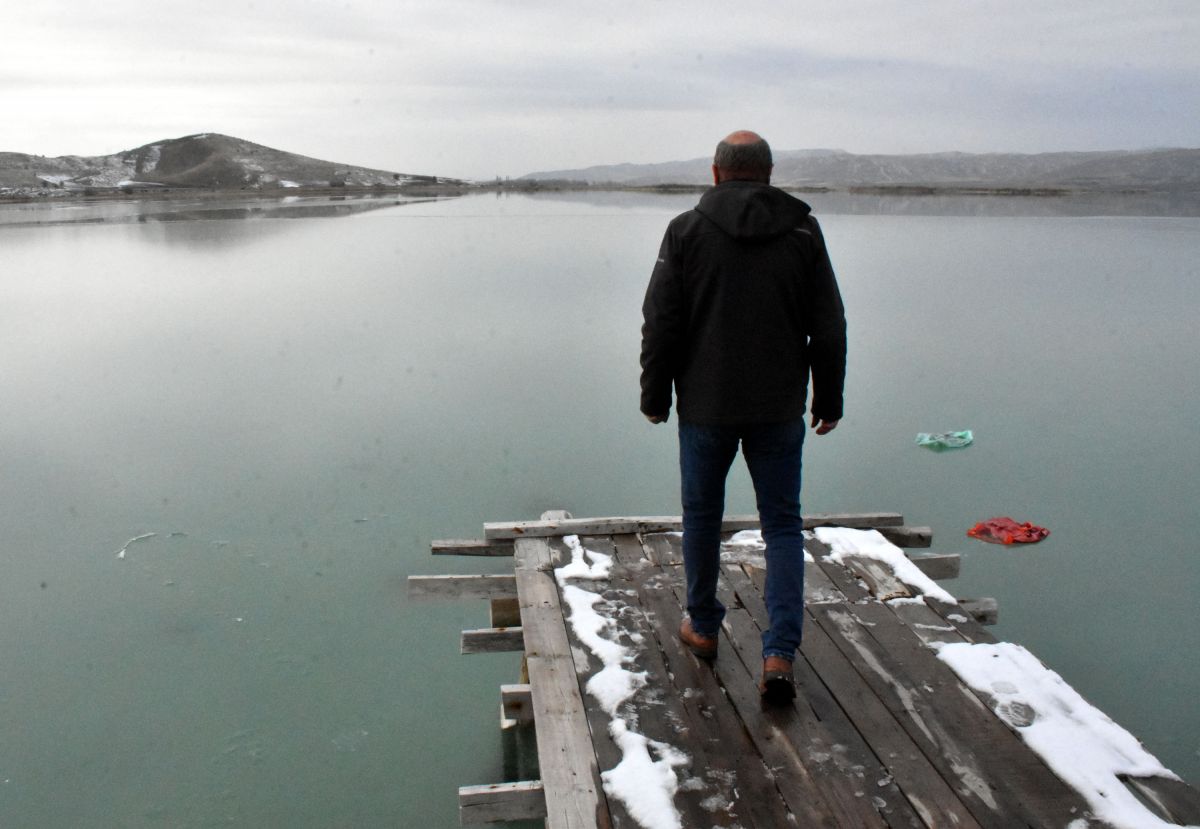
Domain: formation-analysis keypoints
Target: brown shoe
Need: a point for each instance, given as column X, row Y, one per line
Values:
column 704, row 647
column 777, row 685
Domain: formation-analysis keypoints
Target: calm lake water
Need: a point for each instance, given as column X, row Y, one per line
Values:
column 296, row 398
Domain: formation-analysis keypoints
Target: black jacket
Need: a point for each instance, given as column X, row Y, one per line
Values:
column 741, row 306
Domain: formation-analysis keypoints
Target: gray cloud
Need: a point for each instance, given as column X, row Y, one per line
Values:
column 479, row 88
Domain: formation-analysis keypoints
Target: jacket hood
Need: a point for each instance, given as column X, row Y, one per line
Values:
column 748, row 210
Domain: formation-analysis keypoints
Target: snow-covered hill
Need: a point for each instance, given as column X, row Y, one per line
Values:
column 204, row 160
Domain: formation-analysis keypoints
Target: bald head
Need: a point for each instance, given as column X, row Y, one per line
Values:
column 742, row 156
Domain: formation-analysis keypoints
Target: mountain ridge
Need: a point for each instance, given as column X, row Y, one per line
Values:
column 208, row 159
column 1158, row 169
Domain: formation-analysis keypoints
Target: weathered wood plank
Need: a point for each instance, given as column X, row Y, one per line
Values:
column 497, row 802
column 1173, row 800
column 470, row 547
column 992, row 770
column 879, row 718
column 907, row 536
column 882, row 734
column 492, row 640
column 499, row 530
column 663, row 548
column 955, row 782
column 667, row 548
column 473, row 586
column 658, row 711
column 881, row 581
column 727, row 760
column 599, row 526
column 587, row 664
column 938, row 566
column 861, row 723
column 853, row 520
column 796, row 742
column 924, row 621
column 967, row 627
column 984, row 610
column 570, row 776
column 516, row 703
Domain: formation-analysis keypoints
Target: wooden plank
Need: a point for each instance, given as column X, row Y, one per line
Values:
column 820, row 550
column 473, row 586
column 664, row 709
column 663, row 548
column 599, row 526
column 492, row 640
column 984, row 610
column 938, row 566
column 516, row 703
column 570, row 776
column 996, row 774
column 818, row 589
column 505, row 613
column 853, row 520
column 862, row 724
column 725, row 758
column 796, row 742
column 566, row 526
column 470, row 547
column 968, row 627
column 924, row 621
column 907, row 536
column 1172, row 800
column 881, row 581
column 499, row 530
column 587, row 664
column 497, row 802
column 949, row 790
column 928, row 742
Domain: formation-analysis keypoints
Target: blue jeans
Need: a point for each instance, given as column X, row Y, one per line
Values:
column 773, row 455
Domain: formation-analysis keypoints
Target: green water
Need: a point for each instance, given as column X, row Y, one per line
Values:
column 297, row 399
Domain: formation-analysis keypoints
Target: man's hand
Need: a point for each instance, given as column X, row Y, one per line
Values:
column 657, row 418
column 823, row 427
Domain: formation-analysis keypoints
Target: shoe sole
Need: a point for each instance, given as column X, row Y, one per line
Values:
column 777, row 690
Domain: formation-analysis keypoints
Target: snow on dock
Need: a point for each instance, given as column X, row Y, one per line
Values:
column 909, row 713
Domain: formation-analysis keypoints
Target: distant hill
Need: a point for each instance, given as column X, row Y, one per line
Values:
column 205, row 160
column 1165, row 169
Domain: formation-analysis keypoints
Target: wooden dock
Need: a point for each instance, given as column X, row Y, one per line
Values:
column 882, row 734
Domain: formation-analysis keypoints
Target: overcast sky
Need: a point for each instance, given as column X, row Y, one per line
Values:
column 476, row 89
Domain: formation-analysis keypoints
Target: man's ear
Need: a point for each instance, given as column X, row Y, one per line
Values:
column 716, row 175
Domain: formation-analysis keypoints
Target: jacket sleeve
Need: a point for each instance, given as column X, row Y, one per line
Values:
column 662, row 330
column 826, row 327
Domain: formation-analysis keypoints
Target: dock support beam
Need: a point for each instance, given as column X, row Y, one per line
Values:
column 524, row 800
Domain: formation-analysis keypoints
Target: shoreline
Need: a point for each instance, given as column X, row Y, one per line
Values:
column 166, row 193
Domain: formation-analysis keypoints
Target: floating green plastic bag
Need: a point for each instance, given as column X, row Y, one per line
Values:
column 946, row 440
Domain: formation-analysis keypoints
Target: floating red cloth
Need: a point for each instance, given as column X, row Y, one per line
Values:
column 1007, row 531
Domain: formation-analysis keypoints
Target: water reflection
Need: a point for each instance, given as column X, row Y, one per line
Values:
column 1183, row 203
column 191, row 209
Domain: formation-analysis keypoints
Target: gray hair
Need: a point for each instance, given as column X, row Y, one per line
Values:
column 749, row 161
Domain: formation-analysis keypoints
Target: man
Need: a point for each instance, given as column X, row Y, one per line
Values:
column 741, row 308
